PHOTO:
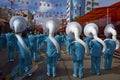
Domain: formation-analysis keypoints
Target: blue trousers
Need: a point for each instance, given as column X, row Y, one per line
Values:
column 95, row 64
column 24, row 65
column 108, row 61
column 58, row 56
column 10, row 53
column 0, row 45
column 78, row 68
column 51, row 65
column 34, row 54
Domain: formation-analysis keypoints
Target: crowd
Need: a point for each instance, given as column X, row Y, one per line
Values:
column 34, row 41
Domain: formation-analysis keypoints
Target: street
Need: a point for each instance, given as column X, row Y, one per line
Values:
column 64, row 69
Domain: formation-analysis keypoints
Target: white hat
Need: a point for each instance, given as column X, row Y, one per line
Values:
column 18, row 23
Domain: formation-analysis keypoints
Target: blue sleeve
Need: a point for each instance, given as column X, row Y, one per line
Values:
column 71, row 49
column 90, row 44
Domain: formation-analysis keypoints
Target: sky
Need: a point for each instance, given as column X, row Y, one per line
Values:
column 34, row 4
column 107, row 2
column 47, row 7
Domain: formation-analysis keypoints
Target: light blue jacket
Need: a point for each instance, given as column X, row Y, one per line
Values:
column 51, row 49
column 33, row 41
column 68, row 40
column 87, row 40
column 23, row 53
column 10, row 39
column 59, row 40
column 96, row 48
column 78, row 51
column 111, row 45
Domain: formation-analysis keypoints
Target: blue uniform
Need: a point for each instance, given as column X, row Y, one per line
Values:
column 1, row 42
column 95, row 52
column 38, row 40
column 87, row 40
column 68, row 41
column 51, row 54
column 33, row 47
column 4, row 40
column 10, row 46
column 16, row 46
column 60, row 40
column 78, row 52
column 24, row 58
column 111, row 45
column 41, row 39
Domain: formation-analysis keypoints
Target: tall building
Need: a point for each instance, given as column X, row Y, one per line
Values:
column 90, row 5
column 81, row 7
column 78, row 8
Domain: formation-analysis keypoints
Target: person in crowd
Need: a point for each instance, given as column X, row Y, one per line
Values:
column 59, row 39
column 53, row 48
column 96, row 53
column 33, row 46
column 68, row 40
column 10, row 45
column 24, row 57
column 77, row 48
column 108, row 55
column 1, row 42
column 87, row 40
column 77, row 52
column 1, row 38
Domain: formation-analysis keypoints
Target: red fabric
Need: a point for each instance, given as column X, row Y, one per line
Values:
column 98, row 13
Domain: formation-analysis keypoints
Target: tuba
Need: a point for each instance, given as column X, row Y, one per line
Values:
column 74, row 29
column 50, row 26
column 18, row 24
column 109, row 29
column 91, row 30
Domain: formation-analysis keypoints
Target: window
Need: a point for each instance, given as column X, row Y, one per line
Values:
column 88, row 2
column 88, row 8
column 95, row 3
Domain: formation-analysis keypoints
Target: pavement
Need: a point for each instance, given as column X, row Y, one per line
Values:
column 64, row 69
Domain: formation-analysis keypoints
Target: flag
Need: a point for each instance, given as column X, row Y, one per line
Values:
column 48, row 5
column 27, row 2
column 60, row 5
column 57, row 12
column 40, row 4
column 35, row 3
column 56, row 5
column 11, row 0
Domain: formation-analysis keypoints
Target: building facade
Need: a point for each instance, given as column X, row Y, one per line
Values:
column 81, row 7
column 78, row 8
column 90, row 5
